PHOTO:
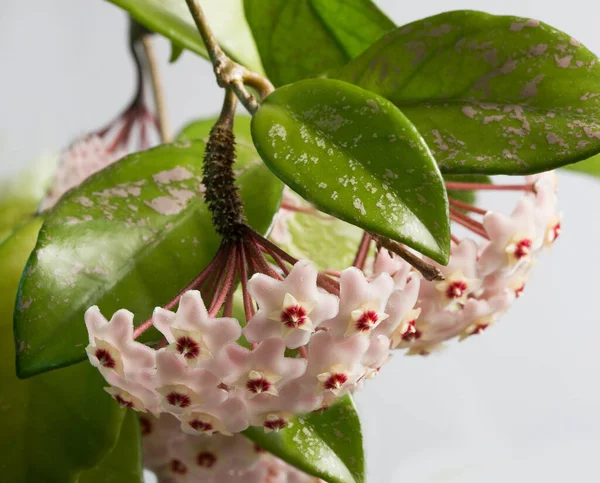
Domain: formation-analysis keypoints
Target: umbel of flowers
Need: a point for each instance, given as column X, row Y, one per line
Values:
column 308, row 338
column 177, row 456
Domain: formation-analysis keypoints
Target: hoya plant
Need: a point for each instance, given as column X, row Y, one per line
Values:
column 205, row 305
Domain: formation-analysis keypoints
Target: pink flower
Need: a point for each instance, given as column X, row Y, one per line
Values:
column 264, row 369
column 399, row 305
column 182, row 388
column 512, row 239
column 192, row 333
column 133, row 392
column 400, row 270
column 112, row 348
column 362, row 303
column 290, row 309
column 334, row 365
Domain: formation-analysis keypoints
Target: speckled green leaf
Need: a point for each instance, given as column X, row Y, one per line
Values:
column 327, row 445
column 124, row 463
column 304, row 38
column 129, row 237
column 201, row 129
column 589, row 166
column 354, row 155
column 53, row 425
column 327, row 241
column 172, row 19
column 489, row 94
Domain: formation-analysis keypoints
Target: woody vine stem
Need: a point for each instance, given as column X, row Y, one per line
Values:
column 234, row 78
column 229, row 73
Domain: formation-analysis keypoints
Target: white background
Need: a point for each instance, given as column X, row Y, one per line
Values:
column 519, row 404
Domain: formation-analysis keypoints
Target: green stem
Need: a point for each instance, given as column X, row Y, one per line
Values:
column 229, row 73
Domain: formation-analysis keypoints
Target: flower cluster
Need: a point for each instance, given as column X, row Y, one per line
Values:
column 82, row 159
column 482, row 280
column 179, row 457
column 307, row 347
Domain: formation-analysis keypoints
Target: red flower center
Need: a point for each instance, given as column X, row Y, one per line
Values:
column 256, row 386
column 479, row 328
column 335, row 381
column 293, row 316
column 178, row 399
column 367, row 320
column 522, row 248
column 456, row 289
column 411, row 332
column 124, row 403
column 105, row 359
column 188, row 347
column 202, row 426
column 206, row 459
column 555, row 231
column 275, row 424
column 178, row 467
column 519, row 291
column 145, row 426
column 259, row 450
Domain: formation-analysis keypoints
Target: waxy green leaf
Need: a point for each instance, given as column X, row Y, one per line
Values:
column 124, row 463
column 490, row 94
column 327, row 445
column 172, row 19
column 304, row 38
column 131, row 236
column 328, row 242
column 54, row 425
column 354, row 155
column 589, row 166
column 201, row 129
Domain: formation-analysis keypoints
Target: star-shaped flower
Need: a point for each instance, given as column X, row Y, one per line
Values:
column 362, row 303
column 273, row 421
column 407, row 332
column 399, row 307
column 512, row 239
column 198, row 422
column 289, row 309
column 265, row 369
column 133, row 392
column 183, row 388
column 112, row 348
column 400, row 270
column 461, row 278
column 192, row 333
column 334, row 364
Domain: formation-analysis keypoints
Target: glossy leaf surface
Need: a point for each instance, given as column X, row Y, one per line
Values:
column 172, row 19
column 124, row 463
column 201, row 129
column 589, row 166
column 328, row 242
column 327, row 444
column 490, row 94
column 354, row 155
column 304, row 38
column 54, row 425
column 130, row 237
